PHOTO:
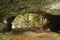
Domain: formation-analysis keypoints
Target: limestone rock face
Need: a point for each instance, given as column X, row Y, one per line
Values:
column 53, row 8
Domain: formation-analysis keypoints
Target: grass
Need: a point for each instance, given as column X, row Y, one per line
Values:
column 4, row 37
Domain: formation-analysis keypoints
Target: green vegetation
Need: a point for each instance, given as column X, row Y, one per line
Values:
column 4, row 37
column 14, row 7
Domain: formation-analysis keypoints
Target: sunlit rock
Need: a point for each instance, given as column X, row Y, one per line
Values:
column 53, row 8
column 29, row 20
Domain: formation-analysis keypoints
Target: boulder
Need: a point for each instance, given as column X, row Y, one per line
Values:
column 28, row 21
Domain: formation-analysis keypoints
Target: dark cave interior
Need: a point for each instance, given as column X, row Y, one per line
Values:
column 54, row 22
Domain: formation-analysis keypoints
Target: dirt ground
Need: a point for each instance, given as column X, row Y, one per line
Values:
column 28, row 35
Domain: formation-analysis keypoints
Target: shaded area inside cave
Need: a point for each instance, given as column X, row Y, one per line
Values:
column 8, row 24
column 54, row 22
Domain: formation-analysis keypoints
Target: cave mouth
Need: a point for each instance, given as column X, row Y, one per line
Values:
column 54, row 24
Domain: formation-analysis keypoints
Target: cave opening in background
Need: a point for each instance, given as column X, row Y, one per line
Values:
column 53, row 25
